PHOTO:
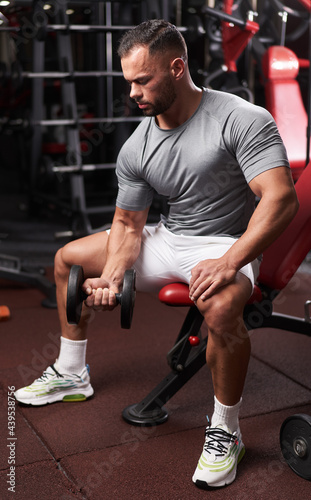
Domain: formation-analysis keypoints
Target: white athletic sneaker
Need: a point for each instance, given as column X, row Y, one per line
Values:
column 53, row 386
column 222, row 451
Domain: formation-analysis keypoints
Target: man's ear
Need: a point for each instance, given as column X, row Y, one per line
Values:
column 178, row 68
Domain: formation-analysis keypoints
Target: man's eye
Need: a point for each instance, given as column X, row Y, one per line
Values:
column 143, row 82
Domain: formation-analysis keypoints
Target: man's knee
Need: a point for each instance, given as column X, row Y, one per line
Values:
column 223, row 312
column 60, row 267
column 64, row 258
column 219, row 312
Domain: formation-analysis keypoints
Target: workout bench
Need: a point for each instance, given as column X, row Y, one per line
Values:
column 187, row 356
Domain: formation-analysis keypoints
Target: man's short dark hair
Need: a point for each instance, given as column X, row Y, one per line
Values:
column 159, row 35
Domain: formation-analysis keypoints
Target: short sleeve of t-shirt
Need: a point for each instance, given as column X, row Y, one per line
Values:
column 254, row 140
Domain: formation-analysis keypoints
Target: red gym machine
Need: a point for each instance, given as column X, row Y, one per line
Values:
column 284, row 101
column 236, row 35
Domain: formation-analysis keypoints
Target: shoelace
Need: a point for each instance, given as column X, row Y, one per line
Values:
column 218, row 440
column 45, row 375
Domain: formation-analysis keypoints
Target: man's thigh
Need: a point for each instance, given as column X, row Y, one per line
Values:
column 156, row 266
column 195, row 249
column 88, row 252
column 166, row 257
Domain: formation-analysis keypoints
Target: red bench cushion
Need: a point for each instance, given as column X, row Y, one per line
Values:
column 177, row 294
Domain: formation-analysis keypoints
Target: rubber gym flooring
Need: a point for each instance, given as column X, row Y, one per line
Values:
column 86, row 450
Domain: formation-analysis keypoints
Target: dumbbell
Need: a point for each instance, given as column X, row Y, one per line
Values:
column 76, row 296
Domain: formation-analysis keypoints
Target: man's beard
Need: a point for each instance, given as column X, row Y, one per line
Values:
column 168, row 96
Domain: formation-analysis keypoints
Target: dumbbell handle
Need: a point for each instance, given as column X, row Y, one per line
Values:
column 76, row 296
column 84, row 296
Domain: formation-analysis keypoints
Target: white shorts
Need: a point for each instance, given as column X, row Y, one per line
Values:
column 167, row 258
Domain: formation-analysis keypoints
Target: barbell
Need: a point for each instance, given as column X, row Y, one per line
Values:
column 76, row 296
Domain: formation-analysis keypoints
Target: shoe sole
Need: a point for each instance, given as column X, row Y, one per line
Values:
column 71, row 397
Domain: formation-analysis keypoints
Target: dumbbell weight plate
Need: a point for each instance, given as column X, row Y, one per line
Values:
column 128, row 298
column 75, row 295
column 295, row 440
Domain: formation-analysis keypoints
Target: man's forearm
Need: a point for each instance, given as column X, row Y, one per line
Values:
column 124, row 243
column 122, row 250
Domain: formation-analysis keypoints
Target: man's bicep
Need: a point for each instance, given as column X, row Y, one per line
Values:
column 276, row 180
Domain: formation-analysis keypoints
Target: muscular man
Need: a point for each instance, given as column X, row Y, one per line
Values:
column 210, row 153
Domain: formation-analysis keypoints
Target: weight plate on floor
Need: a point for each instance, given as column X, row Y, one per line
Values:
column 128, row 298
column 295, row 440
column 74, row 296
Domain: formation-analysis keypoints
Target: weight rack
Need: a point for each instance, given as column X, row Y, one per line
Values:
column 58, row 171
column 69, row 166
column 73, row 166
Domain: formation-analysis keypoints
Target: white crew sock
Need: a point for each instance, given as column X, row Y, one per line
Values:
column 228, row 415
column 72, row 356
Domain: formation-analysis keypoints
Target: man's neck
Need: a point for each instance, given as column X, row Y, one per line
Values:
column 181, row 110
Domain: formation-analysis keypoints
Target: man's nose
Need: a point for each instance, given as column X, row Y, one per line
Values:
column 135, row 91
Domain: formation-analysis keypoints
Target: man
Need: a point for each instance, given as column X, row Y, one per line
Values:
column 209, row 153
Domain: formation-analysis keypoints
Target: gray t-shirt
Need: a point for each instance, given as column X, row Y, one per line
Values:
column 203, row 167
